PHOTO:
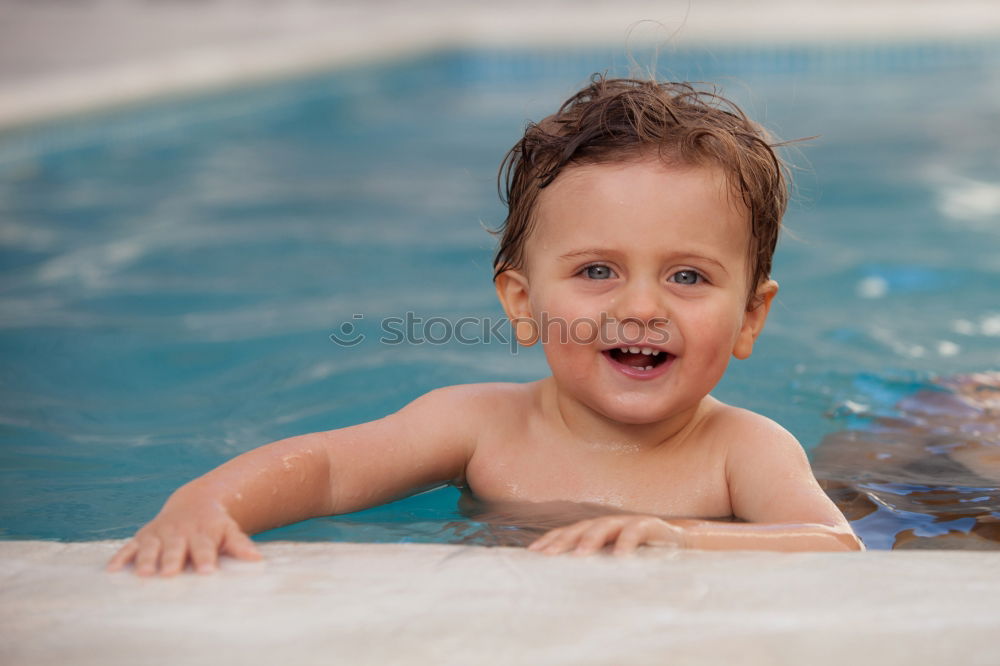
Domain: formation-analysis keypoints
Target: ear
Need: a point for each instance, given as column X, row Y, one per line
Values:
column 753, row 319
column 512, row 290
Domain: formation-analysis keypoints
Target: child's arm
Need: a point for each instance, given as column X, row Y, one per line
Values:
column 771, row 486
column 302, row 477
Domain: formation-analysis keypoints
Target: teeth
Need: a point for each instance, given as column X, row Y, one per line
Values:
column 648, row 367
column 645, row 351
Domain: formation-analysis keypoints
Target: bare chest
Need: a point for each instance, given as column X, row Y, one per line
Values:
column 690, row 484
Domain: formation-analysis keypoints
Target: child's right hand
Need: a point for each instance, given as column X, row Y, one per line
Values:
column 180, row 533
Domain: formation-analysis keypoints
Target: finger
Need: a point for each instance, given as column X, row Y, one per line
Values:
column 594, row 539
column 174, row 556
column 544, row 540
column 204, row 553
column 123, row 556
column 551, row 536
column 629, row 539
column 567, row 538
column 148, row 556
column 240, row 545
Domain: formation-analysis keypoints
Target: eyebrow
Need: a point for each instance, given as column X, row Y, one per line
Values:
column 576, row 254
column 592, row 251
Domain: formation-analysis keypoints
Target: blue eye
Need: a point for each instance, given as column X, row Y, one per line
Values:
column 686, row 277
column 598, row 272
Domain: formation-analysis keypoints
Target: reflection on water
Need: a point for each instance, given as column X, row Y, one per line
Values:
column 520, row 523
column 454, row 516
column 927, row 476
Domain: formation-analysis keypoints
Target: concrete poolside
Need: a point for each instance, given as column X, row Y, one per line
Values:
column 60, row 58
column 359, row 604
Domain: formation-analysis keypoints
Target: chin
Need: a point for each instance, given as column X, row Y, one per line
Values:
column 636, row 413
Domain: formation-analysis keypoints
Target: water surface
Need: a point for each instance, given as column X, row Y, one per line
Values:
column 170, row 274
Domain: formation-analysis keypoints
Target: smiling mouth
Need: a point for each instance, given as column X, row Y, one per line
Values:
column 637, row 359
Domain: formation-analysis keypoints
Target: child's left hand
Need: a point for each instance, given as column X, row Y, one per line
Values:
column 626, row 532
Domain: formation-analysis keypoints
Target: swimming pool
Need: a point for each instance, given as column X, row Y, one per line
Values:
column 172, row 273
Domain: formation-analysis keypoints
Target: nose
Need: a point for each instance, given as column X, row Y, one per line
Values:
column 640, row 300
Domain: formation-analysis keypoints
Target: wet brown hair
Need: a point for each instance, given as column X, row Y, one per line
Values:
column 615, row 120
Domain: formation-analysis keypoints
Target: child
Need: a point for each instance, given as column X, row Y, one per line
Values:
column 637, row 250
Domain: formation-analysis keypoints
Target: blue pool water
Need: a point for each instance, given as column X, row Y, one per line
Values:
column 170, row 274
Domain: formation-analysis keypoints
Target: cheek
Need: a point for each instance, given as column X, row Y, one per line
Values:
column 713, row 328
column 570, row 336
column 565, row 305
column 568, row 361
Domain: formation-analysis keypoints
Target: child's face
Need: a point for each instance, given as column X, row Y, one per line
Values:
column 638, row 243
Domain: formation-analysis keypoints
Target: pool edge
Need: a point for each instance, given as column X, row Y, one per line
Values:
column 94, row 69
column 435, row 603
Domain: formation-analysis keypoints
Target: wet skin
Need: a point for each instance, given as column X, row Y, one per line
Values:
column 640, row 242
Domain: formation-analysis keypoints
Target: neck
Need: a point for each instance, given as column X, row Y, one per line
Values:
column 599, row 432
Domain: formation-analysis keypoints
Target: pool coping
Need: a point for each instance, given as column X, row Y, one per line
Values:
column 116, row 52
column 312, row 603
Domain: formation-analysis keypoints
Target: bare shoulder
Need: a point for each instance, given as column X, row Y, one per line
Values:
column 769, row 475
column 468, row 408
column 490, row 395
column 430, row 440
column 747, row 433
